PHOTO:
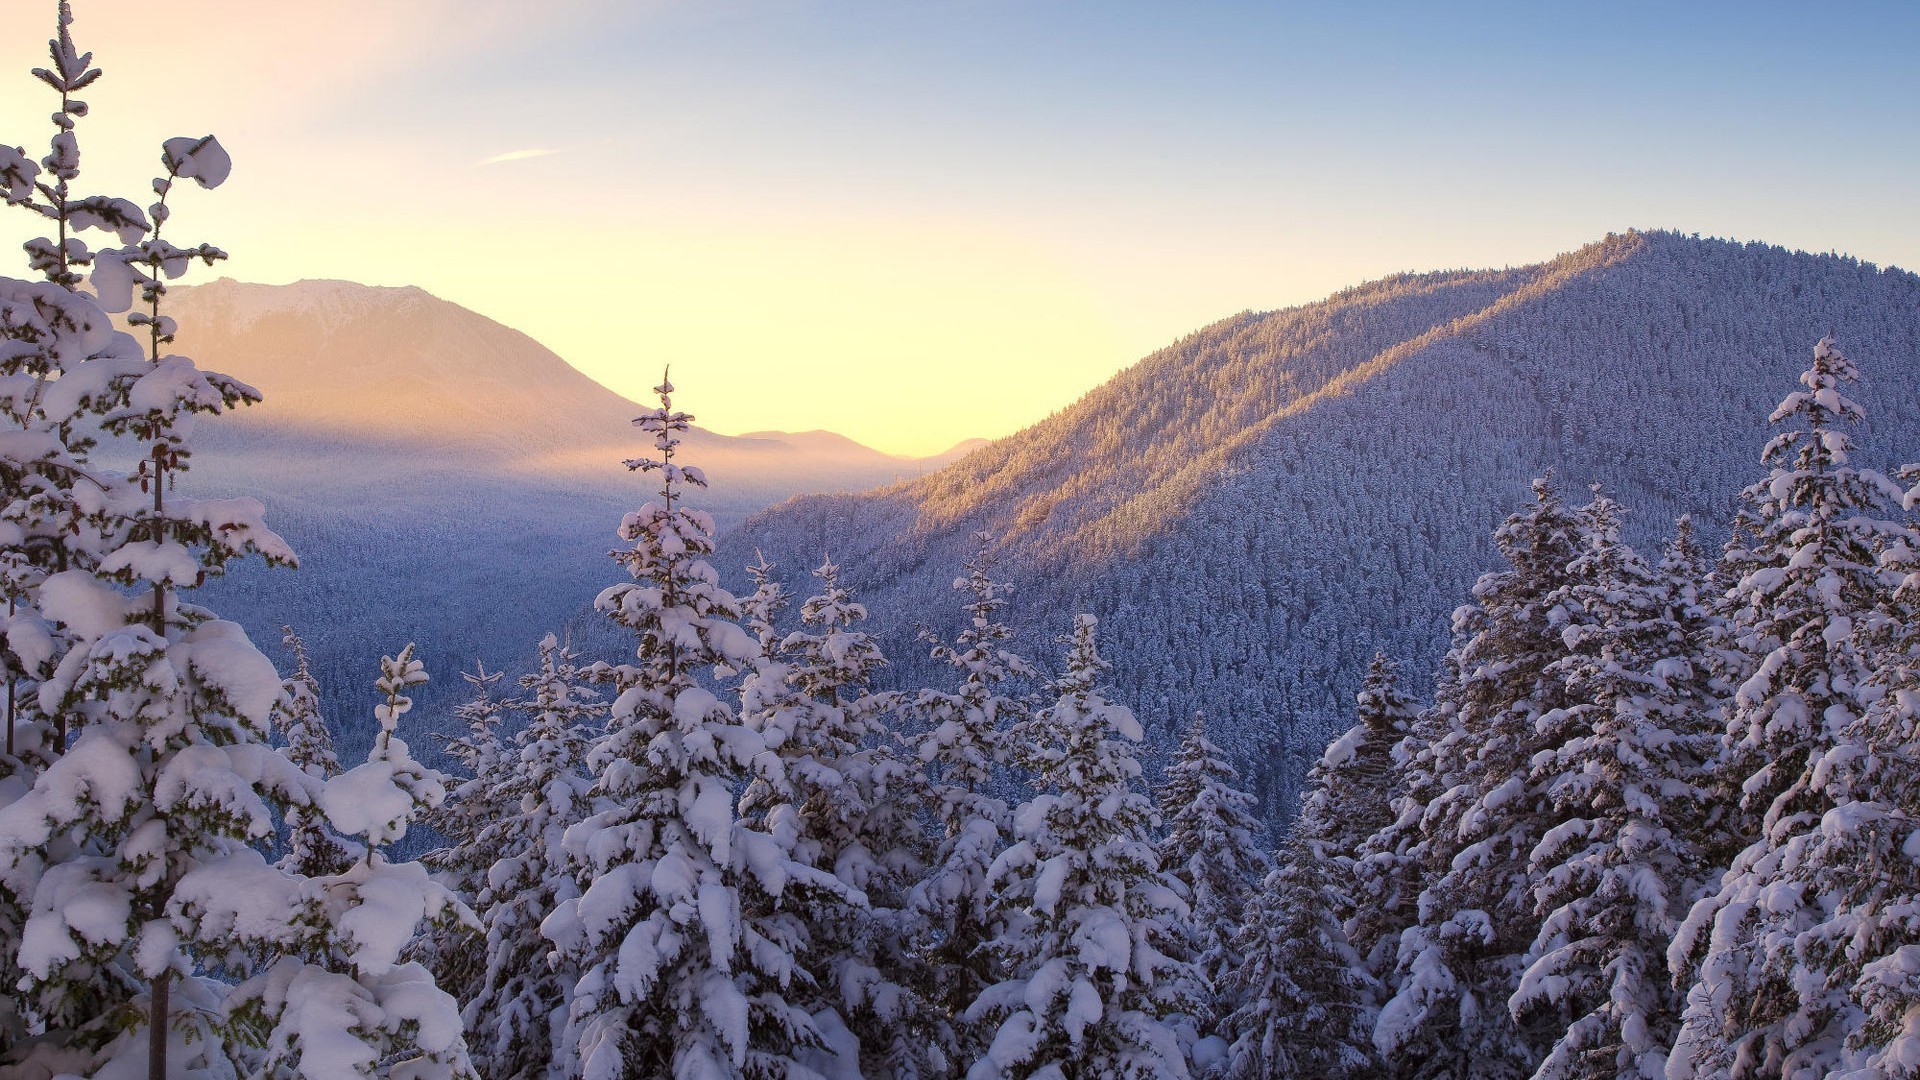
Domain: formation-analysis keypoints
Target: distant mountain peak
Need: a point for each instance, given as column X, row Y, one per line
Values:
column 1255, row 509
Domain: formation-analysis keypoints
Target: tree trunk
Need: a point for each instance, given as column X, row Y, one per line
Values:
column 157, row 1027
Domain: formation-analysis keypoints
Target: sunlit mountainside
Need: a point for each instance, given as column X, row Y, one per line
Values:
column 444, row 479
column 1256, row 509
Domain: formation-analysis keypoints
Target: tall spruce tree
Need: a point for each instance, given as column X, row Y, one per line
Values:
column 853, row 795
column 338, row 995
column 138, row 722
column 313, row 846
column 1303, row 999
column 1087, row 916
column 1768, row 996
column 686, row 933
column 1615, row 873
column 1212, row 848
column 466, row 820
column 1350, row 800
column 1461, row 961
column 963, row 740
column 1805, row 581
column 521, row 1001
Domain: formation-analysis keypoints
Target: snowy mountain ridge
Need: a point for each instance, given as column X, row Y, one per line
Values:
column 1244, row 508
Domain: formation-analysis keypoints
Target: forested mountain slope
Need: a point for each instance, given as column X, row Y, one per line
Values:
column 1256, row 509
column 443, row 478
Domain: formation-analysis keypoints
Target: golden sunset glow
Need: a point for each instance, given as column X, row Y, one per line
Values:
column 912, row 228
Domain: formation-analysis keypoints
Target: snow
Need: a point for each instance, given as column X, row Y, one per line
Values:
column 367, row 800
column 202, row 160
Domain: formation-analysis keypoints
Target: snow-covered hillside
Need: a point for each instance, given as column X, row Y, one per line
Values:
column 1254, row 510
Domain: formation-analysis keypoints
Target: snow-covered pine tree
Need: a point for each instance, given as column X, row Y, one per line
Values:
column 1395, row 860
column 853, row 797
column 336, row 996
column 1622, row 772
column 313, row 848
column 1460, row 962
column 762, row 609
column 519, row 1010
column 1767, row 949
column 1863, row 866
column 472, row 804
column 146, row 717
column 686, row 932
column 1087, row 915
column 1350, row 801
column 1805, row 577
column 1213, row 849
column 1304, row 999
column 963, row 741
column 466, row 820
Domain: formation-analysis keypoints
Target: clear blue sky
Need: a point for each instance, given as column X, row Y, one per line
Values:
column 972, row 212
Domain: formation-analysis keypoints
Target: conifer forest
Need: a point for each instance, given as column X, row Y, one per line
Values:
column 1646, row 804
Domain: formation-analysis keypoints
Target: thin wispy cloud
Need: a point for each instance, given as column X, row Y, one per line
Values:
column 516, row 155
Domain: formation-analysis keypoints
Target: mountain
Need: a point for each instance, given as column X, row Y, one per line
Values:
column 445, row 479
column 362, row 372
column 1255, row 509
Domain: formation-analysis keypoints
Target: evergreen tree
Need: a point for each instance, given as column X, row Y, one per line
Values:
column 760, row 610
column 1806, row 577
column 963, row 740
column 1769, row 996
column 138, row 722
column 675, row 980
column 1860, row 872
column 520, row 1008
column 337, row 996
column 1304, row 1005
column 1088, row 916
column 853, row 797
column 1350, row 802
column 1461, row 961
column 1212, row 848
column 468, row 820
column 313, row 847
column 1615, row 873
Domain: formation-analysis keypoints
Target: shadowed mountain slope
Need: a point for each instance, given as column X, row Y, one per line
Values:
column 1255, row 509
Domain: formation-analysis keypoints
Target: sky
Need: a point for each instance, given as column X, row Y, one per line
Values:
column 919, row 222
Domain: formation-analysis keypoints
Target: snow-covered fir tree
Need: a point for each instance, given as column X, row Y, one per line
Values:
column 1350, row 801
column 520, row 1005
column 761, row 610
column 472, row 805
column 853, row 797
column 1304, row 1000
column 144, row 757
column 337, row 995
column 1461, row 960
column 963, row 740
column 1622, row 772
column 686, row 933
column 1805, row 580
column 467, row 820
column 1087, row 916
column 1769, row 949
column 1213, row 849
column 1395, row 860
column 313, row 847
column 1856, row 959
